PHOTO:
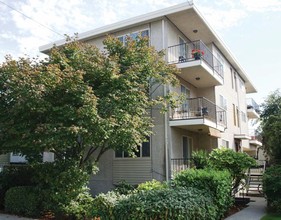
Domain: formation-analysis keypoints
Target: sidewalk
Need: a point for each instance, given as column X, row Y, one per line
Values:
column 255, row 210
column 12, row 217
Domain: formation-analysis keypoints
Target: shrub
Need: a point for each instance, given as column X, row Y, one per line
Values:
column 22, row 200
column 169, row 203
column 104, row 204
column 153, row 184
column 81, row 206
column 62, row 186
column 200, row 159
column 216, row 183
column 235, row 162
column 272, row 187
column 14, row 176
column 124, row 188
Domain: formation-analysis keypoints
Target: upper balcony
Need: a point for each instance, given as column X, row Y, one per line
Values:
column 253, row 110
column 202, row 72
column 199, row 115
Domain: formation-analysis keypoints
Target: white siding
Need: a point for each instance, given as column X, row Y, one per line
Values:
column 132, row 170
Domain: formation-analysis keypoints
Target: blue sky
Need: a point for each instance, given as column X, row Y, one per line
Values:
column 250, row 28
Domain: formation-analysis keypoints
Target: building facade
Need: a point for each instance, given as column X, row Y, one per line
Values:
column 214, row 113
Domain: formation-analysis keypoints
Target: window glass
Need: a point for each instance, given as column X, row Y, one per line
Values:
column 146, row 149
column 118, row 153
column 142, row 151
column 134, row 35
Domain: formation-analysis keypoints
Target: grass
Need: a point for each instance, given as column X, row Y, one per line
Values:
column 271, row 217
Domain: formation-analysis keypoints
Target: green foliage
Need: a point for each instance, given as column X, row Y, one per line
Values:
column 14, row 176
column 152, row 185
column 272, row 187
column 81, row 102
column 200, row 159
column 169, row 203
column 104, row 204
column 22, row 200
column 124, row 188
column 62, row 188
column 271, row 126
column 235, row 162
column 80, row 207
column 216, row 183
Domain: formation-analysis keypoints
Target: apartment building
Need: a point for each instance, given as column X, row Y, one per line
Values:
column 214, row 113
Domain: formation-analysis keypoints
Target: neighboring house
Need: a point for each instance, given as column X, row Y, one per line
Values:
column 214, row 114
column 253, row 114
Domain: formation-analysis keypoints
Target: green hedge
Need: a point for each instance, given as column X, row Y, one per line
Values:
column 169, row 203
column 216, row 183
column 14, row 176
column 22, row 200
column 272, row 188
column 104, row 204
column 153, row 184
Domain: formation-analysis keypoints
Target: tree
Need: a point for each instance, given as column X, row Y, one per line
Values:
column 81, row 102
column 271, row 126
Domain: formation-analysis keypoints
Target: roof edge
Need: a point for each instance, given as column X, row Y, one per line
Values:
column 122, row 24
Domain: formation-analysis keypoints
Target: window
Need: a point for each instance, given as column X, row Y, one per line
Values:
column 223, row 102
column 221, row 60
column 225, row 143
column 134, row 35
column 243, row 116
column 232, row 78
column 241, row 84
column 186, row 147
column 143, row 151
column 186, row 93
column 235, row 81
column 182, row 52
column 238, row 118
column 234, row 114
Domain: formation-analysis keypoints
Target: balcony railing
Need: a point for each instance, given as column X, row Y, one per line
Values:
column 251, row 104
column 183, row 53
column 201, row 107
column 180, row 164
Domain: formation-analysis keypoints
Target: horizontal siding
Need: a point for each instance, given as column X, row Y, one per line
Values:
column 133, row 171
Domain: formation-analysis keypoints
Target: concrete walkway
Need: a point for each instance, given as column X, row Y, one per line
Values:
column 12, row 217
column 255, row 210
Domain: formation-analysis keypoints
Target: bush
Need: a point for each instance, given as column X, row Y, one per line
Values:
column 22, row 200
column 200, row 159
column 153, row 184
column 14, row 176
column 216, row 183
column 62, row 187
column 124, row 188
column 104, row 204
column 235, row 162
column 272, row 188
column 169, row 203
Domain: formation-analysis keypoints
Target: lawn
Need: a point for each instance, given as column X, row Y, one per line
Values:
column 271, row 217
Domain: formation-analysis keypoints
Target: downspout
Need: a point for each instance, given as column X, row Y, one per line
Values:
column 166, row 114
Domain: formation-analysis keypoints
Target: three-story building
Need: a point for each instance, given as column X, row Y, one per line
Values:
column 214, row 113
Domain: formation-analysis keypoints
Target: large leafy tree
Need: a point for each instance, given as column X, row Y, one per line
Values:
column 271, row 126
column 81, row 102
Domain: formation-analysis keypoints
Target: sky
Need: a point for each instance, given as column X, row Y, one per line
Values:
column 250, row 28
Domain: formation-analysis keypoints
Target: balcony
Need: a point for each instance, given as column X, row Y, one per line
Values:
column 253, row 110
column 199, row 114
column 204, row 72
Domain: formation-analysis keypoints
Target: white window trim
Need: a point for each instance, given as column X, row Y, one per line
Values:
column 138, row 31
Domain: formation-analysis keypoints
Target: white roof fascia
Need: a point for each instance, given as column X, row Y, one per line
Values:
column 154, row 16
column 122, row 24
column 227, row 51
